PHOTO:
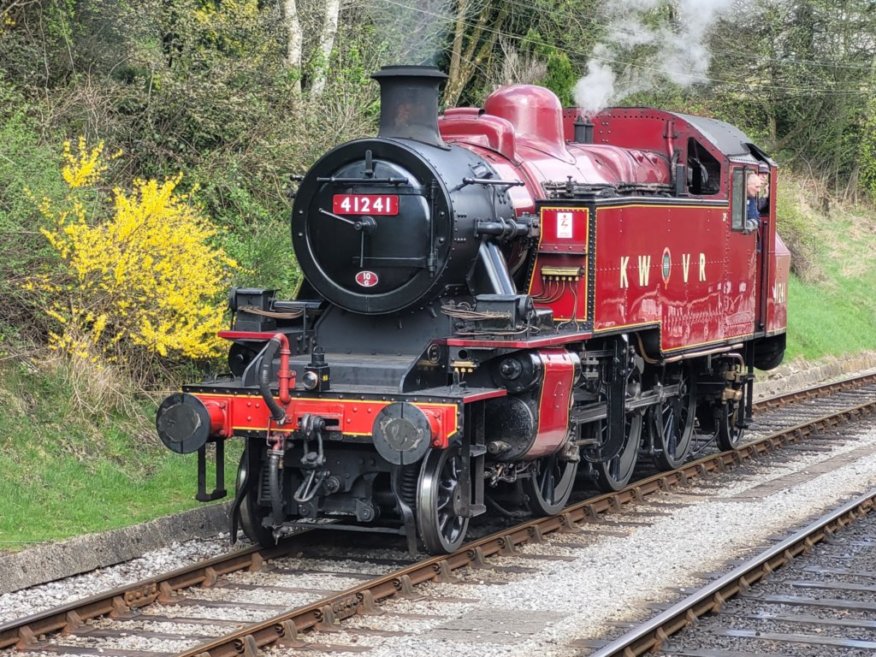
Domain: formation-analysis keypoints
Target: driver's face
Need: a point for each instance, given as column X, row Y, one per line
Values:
column 754, row 184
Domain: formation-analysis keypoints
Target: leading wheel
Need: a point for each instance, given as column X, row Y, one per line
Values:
column 672, row 425
column 251, row 514
column 439, row 496
column 728, row 419
column 550, row 484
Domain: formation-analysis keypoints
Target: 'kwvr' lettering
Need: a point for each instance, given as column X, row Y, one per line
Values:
column 644, row 270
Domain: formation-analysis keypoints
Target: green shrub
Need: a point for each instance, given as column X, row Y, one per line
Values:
column 797, row 223
column 867, row 151
column 25, row 165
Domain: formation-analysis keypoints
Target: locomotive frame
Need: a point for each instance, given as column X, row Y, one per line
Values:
column 539, row 300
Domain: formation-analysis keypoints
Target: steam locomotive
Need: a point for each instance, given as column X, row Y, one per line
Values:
column 498, row 304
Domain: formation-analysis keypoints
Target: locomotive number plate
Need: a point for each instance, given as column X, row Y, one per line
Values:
column 379, row 204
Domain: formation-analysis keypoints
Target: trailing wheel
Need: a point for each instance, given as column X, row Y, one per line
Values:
column 439, row 497
column 251, row 514
column 671, row 424
column 551, row 484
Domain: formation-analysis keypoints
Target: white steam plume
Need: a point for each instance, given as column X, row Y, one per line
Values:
column 680, row 52
column 412, row 32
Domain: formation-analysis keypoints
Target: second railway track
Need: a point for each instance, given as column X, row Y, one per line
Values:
column 813, row 602
column 313, row 593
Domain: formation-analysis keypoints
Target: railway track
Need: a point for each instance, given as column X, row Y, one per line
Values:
column 811, row 598
column 327, row 593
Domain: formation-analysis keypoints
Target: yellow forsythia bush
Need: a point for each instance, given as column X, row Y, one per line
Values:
column 140, row 269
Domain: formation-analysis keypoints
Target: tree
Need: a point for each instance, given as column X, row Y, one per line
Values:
column 798, row 73
column 555, row 37
column 325, row 45
column 294, row 39
column 476, row 31
column 326, row 15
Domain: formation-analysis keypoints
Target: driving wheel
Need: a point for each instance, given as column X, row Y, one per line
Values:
column 615, row 473
column 550, row 484
column 672, row 425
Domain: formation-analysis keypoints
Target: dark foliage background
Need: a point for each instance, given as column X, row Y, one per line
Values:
column 212, row 89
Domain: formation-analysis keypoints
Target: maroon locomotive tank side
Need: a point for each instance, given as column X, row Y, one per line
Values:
column 674, row 263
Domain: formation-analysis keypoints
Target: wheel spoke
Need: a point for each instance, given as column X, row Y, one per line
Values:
column 548, row 486
column 673, row 439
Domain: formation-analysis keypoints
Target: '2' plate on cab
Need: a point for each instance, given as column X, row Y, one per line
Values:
column 374, row 204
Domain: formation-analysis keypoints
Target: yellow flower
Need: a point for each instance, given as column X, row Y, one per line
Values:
column 85, row 167
column 145, row 275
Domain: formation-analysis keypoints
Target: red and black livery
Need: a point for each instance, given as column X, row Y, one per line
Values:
column 498, row 304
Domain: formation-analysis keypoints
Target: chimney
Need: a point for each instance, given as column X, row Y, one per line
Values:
column 583, row 130
column 409, row 103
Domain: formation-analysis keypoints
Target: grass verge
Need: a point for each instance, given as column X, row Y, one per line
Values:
column 71, row 468
column 831, row 309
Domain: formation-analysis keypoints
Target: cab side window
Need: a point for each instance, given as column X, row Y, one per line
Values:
column 737, row 200
column 703, row 170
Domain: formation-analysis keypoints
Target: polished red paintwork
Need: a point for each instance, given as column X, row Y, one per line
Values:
column 521, row 132
column 708, row 291
column 779, row 262
column 677, row 267
column 554, row 403
column 560, row 281
column 248, row 412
